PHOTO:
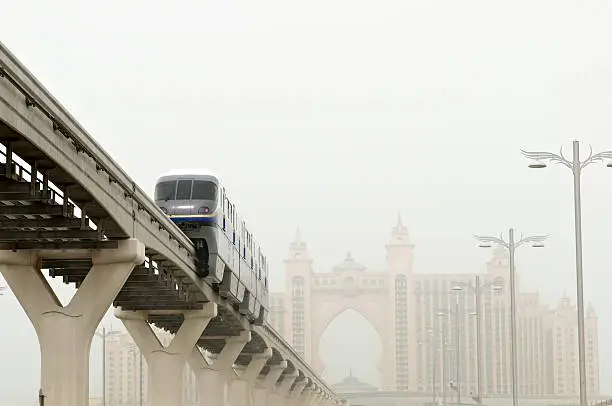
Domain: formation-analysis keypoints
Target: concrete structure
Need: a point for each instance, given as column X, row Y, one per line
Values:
column 68, row 208
column 416, row 320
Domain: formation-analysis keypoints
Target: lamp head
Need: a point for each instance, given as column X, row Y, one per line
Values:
column 538, row 245
column 537, row 165
column 484, row 245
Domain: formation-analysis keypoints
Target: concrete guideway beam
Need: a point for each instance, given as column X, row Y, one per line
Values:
column 213, row 379
column 65, row 332
column 166, row 364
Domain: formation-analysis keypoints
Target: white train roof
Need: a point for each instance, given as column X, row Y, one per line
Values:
column 181, row 172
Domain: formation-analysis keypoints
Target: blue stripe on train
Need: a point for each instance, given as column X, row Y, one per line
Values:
column 204, row 220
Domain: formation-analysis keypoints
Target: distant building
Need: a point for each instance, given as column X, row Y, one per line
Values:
column 415, row 316
column 565, row 374
column 351, row 384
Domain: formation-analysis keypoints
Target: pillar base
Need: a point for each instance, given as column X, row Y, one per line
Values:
column 213, row 388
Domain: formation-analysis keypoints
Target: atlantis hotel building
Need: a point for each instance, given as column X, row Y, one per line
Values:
column 417, row 316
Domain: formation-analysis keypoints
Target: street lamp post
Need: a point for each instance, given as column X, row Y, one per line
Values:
column 511, row 246
column 433, row 366
column 478, row 348
column 448, row 313
column 477, row 292
column 443, row 334
column 458, row 352
column 576, row 166
column 457, row 290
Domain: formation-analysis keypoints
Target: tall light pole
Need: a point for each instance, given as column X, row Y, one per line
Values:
column 478, row 346
column 457, row 290
column 477, row 289
column 433, row 365
column 441, row 315
column 511, row 246
column 576, row 166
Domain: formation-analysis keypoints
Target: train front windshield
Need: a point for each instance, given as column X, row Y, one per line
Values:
column 187, row 190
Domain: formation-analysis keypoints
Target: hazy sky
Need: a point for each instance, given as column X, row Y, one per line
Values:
column 335, row 115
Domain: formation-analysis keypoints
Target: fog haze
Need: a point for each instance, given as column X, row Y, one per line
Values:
column 334, row 117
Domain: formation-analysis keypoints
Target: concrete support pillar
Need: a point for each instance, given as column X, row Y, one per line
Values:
column 279, row 394
column 241, row 392
column 260, row 396
column 318, row 398
column 214, row 379
column 213, row 387
column 166, row 363
column 295, row 396
column 308, row 396
column 65, row 332
column 265, row 390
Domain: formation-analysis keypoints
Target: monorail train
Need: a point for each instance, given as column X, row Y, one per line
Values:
column 227, row 255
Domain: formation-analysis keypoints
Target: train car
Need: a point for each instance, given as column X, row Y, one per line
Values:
column 228, row 257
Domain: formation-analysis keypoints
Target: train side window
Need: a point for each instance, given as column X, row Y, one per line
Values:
column 183, row 190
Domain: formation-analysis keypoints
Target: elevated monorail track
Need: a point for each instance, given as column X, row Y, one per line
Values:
column 60, row 190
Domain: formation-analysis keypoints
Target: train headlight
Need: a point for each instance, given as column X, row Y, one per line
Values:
column 203, row 210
